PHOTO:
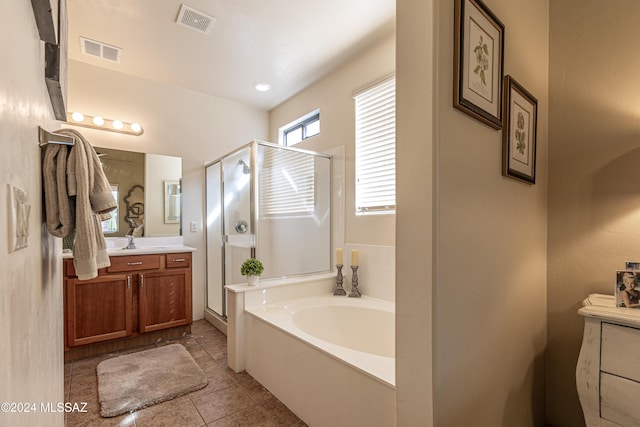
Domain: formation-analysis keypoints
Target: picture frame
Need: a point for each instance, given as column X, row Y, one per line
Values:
column 478, row 62
column 621, row 278
column 519, row 133
column 51, row 20
column 172, row 202
column 632, row 265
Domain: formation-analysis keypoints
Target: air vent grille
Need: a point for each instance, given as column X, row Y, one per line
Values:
column 100, row 50
column 196, row 20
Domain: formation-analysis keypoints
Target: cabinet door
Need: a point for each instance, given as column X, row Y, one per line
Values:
column 165, row 299
column 98, row 309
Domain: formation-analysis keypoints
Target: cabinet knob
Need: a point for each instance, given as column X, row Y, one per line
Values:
column 142, row 280
column 128, row 282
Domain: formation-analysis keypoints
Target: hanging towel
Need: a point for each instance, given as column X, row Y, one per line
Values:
column 89, row 187
column 59, row 214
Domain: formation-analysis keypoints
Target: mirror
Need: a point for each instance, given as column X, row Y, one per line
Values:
column 147, row 188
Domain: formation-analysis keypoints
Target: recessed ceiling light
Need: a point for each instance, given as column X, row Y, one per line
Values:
column 262, row 86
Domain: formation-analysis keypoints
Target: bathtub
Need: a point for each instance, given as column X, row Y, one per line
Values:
column 330, row 359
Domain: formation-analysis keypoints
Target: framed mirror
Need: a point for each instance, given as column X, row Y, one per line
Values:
column 139, row 182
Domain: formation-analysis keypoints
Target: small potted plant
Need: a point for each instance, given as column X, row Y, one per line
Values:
column 252, row 268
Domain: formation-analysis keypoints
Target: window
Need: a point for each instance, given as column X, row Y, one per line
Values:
column 287, row 184
column 110, row 226
column 300, row 129
column 376, row 148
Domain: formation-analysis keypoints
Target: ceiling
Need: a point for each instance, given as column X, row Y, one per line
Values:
column 287, row 43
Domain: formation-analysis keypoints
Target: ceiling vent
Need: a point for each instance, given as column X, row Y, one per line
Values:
column 100, row 50
column 196, row 20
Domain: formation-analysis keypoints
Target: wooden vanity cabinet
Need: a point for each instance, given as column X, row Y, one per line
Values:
column 135, row 295
column 98, row 309
column 165, row 296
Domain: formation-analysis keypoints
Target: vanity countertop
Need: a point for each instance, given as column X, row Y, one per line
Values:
column 143, row 250
column 145, row 246
column 603, row 307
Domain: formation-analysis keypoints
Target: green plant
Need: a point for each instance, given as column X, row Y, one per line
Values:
column 251, row 267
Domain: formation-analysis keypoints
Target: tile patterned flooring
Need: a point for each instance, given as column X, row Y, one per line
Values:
column 230, row 399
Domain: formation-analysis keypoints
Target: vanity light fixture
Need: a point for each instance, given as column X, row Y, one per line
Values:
column 100, row 123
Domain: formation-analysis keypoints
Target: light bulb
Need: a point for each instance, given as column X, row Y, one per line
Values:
column 77, row 117
column 117, row 124
column 98, row 121
column 136, row 127
column 262, row 86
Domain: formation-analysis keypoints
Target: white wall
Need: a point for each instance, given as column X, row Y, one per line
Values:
column 491, row 240
column 176, row 122
column 31, row 352
column 333, row 95
column 594, row 209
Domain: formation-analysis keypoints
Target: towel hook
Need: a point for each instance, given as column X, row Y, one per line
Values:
column 53, row 138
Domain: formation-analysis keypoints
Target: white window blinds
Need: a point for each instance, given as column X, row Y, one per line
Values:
column 376, row 148
column 287, row 184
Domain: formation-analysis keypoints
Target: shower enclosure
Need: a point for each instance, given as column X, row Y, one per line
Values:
column 268, row 202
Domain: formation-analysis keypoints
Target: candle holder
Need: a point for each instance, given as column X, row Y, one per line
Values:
column 355, row 293
column 339, row 280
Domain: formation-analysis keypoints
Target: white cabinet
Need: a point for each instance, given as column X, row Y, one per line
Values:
column 608, row 370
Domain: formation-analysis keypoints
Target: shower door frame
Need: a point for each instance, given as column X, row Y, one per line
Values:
column 253, row 212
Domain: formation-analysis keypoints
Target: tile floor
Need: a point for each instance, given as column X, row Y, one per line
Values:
column 229, row 399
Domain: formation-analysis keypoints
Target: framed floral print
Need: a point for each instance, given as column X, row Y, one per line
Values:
column 478, row 62
column 519, row 132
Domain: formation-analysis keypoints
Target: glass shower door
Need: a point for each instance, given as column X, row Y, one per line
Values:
column 215, row 246
column 238, row 222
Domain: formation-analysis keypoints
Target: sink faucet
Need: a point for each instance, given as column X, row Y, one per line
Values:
column 131, row 243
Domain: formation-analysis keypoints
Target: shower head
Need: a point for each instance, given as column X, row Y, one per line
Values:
column 245, row 167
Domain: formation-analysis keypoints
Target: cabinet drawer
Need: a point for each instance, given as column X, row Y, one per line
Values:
column 69, row 269
column 134, row 263
column 620, row 351
column 618, row 400
column 179, row 260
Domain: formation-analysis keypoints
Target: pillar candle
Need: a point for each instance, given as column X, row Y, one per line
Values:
column 339, row 256
column 354, row 257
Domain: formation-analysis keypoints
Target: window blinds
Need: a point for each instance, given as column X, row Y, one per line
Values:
column 376, row 148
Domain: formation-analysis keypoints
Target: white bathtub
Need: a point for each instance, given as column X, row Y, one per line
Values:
column 330, row 359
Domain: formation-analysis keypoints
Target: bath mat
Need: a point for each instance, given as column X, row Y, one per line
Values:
column 138, row 380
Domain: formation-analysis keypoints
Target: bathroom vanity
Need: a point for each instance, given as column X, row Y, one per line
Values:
column 608, row 369
column 145, row 292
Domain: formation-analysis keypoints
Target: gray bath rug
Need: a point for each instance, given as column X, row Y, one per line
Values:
column 138, row 380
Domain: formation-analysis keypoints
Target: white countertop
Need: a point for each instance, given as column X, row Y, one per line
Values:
column 145, row 246
column 603, row 307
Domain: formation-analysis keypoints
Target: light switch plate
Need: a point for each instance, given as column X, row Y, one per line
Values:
column 193, row 226
column 18, row 215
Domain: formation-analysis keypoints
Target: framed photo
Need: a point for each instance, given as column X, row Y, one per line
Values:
column 519, row 133
column 627, row 292
column 632, row 265
column 478, row 62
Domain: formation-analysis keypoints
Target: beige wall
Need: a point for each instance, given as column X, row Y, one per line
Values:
column 491, row 242
column 594, row 220
column 31, row 354
column 333, row 96
column 176, row 122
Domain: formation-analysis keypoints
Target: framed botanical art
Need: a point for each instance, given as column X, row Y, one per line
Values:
column 519, row 132
column 478, row 62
